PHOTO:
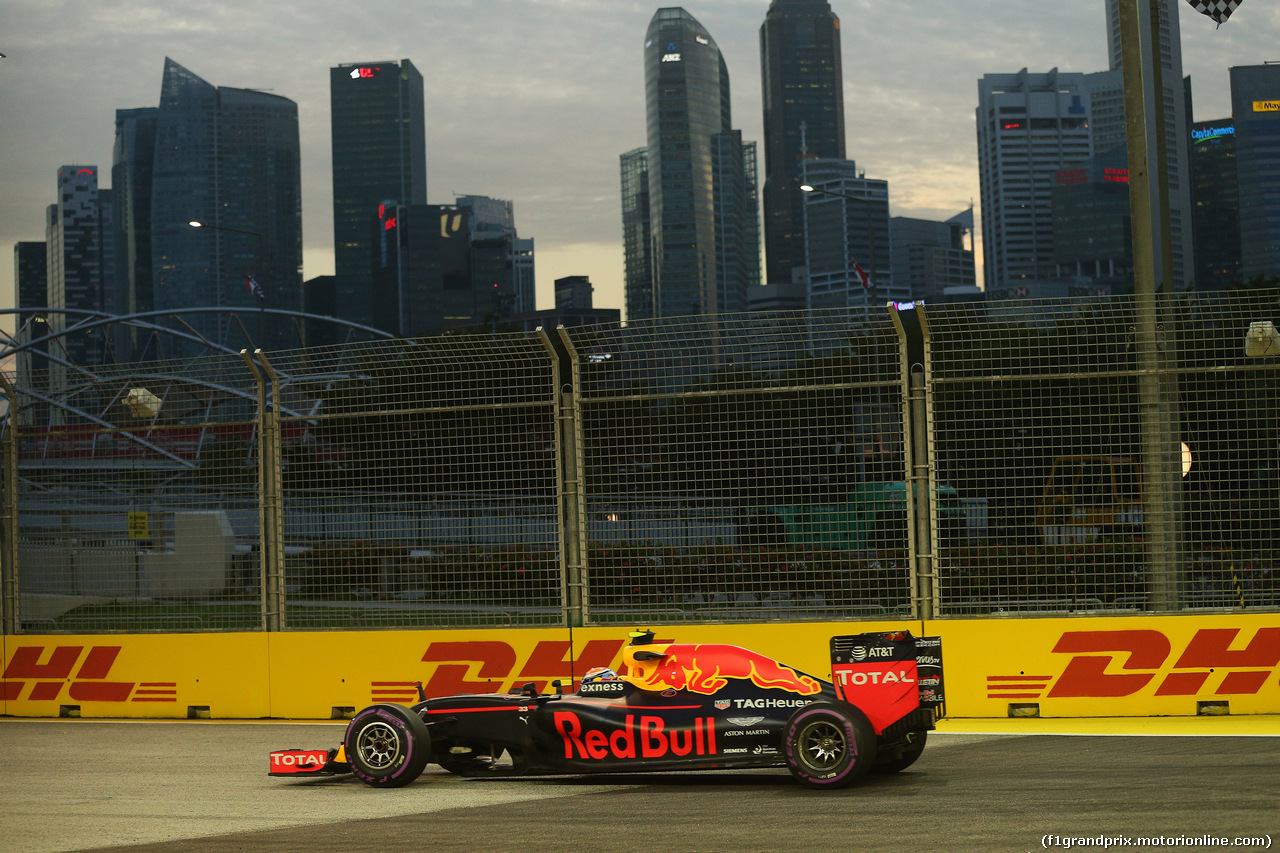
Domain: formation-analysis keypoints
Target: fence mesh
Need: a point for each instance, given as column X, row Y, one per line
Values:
column 1037, row 420
column 137, row 497
column 419, row 484
column 735, row 467
column 742, row 467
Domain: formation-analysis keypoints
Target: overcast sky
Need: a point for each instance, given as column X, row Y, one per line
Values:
column 534, row 100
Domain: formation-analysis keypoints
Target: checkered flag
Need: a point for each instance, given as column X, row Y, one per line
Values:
column 1219, row 10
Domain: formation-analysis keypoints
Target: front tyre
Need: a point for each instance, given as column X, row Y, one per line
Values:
column 387, row 745
column 829, row 745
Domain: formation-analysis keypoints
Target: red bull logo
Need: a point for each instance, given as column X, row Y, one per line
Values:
column 706, row 668
column 650, row 739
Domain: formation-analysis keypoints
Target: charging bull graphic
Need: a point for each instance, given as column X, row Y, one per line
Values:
column 707, row 667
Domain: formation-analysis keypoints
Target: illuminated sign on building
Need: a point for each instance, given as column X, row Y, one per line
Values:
column 1212, row 133
column 1072, row 176
column 1116, row 176
column 1266, row 106
column 671, row 57
column 364, row 71
column 701, row 40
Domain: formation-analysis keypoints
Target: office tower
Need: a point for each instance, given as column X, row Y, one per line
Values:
column 737, row 218
column 379, row 153
column 573, row 293
column 227, row 159
column 1255, row 109
column 929, row 259
column 1108, row 126
column 1092, row 228
column 79, row 268
column 699, row 186
column 491, row 217
column 1215, row 204
column 803, row 118
column 432, row 273
column 637, row 236
column 31, row 291
column 846, row 227
column 1030, row 126
column 133, row 163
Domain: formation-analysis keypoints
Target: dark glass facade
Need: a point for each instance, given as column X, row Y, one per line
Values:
column 637, row 234
column 227, row 158
column 379, row 153
column 803, row 118
column 687, row 106
column 1215, row 204
column 1255, row 109
column 432, row 273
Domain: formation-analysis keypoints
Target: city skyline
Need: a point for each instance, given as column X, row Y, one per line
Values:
column 534, row 100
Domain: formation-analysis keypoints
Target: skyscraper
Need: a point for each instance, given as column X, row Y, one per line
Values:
column 1030, row 126
column 31, row 290
column 491, row 217
column 702, row 191
column 637, row 234
column 1216, row 197
column 846, row 225
column 803, row 118
column 433, row 272
column 1255, row 108
column 379, row 153
column 133, row 164
column 79, row 268
column 227, row 159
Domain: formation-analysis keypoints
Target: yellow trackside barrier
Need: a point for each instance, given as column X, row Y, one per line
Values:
column 1098, row 667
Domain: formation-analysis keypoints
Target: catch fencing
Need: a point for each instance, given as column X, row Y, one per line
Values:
column 965, row 459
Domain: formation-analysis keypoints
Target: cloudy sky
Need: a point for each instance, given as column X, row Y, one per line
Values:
column 533, row 100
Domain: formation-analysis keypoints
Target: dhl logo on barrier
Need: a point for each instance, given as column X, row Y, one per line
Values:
column 1208, row 664
column 490, row 666
column 83, row 674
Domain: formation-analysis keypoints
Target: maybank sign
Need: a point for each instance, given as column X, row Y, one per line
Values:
column 1266, row 106
column 1212, row 133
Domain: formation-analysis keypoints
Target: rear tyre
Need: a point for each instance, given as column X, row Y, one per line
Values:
column 894, row 761
column 829, row 745
column 387, row 745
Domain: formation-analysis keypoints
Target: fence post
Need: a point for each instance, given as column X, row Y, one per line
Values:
column 1152, row 274
column 918, row 486
column 574, row 514
column 270, row 522
column 9, row 600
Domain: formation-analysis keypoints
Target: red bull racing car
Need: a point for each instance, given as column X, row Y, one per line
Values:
column 674, row 707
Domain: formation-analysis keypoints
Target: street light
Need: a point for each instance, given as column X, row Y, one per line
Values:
column 869, row 284
column 254, row 287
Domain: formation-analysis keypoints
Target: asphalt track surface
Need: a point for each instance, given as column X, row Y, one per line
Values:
column 201, row 787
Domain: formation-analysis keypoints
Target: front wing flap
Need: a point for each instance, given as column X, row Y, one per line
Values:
column 308, row 762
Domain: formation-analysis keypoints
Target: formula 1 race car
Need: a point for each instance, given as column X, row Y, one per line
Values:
column 675, row 707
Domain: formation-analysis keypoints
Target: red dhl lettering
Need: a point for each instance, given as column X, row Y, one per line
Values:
column 650, row 739
column 1112, row 664
column 86, row 683
column 491, row 666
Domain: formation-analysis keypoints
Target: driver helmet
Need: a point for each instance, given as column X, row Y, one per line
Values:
column 599, row 673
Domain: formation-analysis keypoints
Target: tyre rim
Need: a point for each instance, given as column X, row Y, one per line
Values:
column 378, row 745
column 822, row 745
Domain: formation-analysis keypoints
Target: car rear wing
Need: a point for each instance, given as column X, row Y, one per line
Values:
column 892, row 677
